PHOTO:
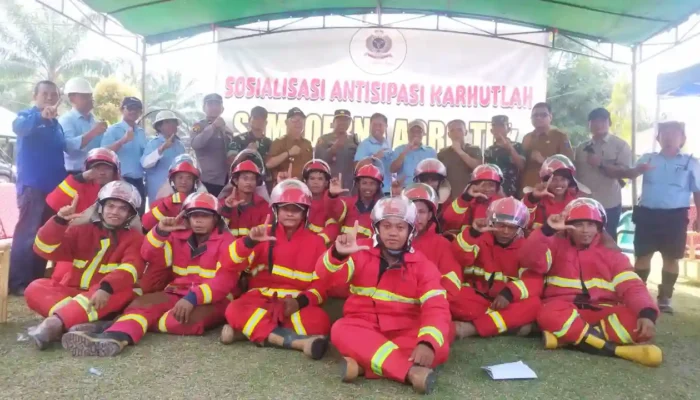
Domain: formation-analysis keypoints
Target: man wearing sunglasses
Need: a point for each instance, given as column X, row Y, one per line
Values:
column 128, row 140
column 541, row 143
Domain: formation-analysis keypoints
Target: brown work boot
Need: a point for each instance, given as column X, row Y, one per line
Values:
column 464, row 329
column 350, row 370
column 314, row 347
column 422, row 379
column 82, row 344
column 48, row 331
column 229, row 335
column 92, row 327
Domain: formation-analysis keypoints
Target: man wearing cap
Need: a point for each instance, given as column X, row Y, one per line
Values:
column 292, row 148
column 254, row 139
column 82, row 132
column 507, row 154
column 601, row 163
column 661, row 217
column 210, row 140
column 407, row 156
column 160, row 152
column 128, row 140
column 377, row 146
column 460, row 158
column 541, row 143
column 338, row 148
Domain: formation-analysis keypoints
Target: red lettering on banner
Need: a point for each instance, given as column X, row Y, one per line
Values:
column 391, row 93
column 460, row 98
column 375, row 97
column 435, row 93
column 422, row 95
column 336, row 92
column 240, row 87
column 303, row 90
column 494, row 95
column 348, row 92
column 504, row 103
column 266, row 91
column 292, row 89
column 402, row 96
column 448, row 100
column 472, row 94
column 229, row 87
column 484, row 96
column 414, row 95
column 526, row 101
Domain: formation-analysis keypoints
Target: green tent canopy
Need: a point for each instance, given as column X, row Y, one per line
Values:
column 627, row 22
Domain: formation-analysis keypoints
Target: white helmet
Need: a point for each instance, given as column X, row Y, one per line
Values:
column 77, row 85
column 120, row 190
column 399, row 207
column 165, row 115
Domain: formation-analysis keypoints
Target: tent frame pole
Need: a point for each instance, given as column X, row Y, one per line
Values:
column 143, row 81
column 634, row 118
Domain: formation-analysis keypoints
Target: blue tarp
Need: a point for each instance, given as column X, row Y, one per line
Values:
column 685, row 82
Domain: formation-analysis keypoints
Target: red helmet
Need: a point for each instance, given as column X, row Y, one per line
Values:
column 370, row 171
column 430, row 166
column 291, row 191
column 508, row 210
column 422, row 192
column 102, row 156
column 556, row 163
column 245, row 166
column 585, row 209
column 316, row 165
column 183, row 163
column 201, row 202
column 487, row 172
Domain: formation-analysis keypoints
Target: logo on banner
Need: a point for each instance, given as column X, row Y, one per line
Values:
column 378, row 51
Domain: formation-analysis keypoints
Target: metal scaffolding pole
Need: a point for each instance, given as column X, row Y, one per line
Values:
column 634, row 118
column 143, row 80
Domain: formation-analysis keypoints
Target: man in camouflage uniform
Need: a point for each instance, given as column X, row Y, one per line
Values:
column 507, row 154
column 338, row 148
column 210, row 140
column 254, row 139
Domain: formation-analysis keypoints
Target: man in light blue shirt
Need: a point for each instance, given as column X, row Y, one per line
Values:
column 82, row 132
column 128, row 140
column 378, row 147
column 407, row 156
column 160, row 152
column 661, row 218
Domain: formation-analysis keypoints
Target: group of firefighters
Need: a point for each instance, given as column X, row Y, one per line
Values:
column 416, row 274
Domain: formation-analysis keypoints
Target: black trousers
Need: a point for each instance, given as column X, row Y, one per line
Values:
column 141, row 187
column 662, row 230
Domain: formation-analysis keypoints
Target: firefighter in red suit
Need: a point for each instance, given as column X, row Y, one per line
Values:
column 192, row 243
column 484, row 188
column 593, row 300
column 428, row 239
column 497, row 296
column 369, row 180
column 183, row 179
column 106, row 263
column 557, row 189
column 101, row 167
column 279, row 261
column 317, row 176
column 242, row 207
column 396, row 322
column 433, row 173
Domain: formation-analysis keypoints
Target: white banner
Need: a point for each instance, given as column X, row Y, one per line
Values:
column 404, row 74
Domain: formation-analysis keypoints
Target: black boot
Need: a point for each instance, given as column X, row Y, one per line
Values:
column 83, row 344
column 313, row 346
column 664, row 298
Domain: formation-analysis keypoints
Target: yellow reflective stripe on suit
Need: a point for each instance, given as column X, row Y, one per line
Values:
column 194, row 270
column 457, row 209
column 383, row 295
column 139, row 319
column 67, row 189
column 206, row 293
column 58, row 305
column 291, row 273
column 619, row 329
column 297, row 324
column 624, row 277
column 94, row 264
column 576, row 283
column 381, row 355
column 567, row 325
column 523, row 289
column 360, row 229
column 469, row 248
column 46, row 248
column 155, row 242
column 253, row 321
column 452, row 276
column 497, row 320
column 269, row 292
column 85, row 304
column 434, row 332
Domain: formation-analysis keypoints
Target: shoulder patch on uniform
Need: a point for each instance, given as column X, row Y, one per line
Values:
column 196, row 128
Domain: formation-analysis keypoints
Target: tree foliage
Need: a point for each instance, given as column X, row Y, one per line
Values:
column 620, row 108
column 108, row 94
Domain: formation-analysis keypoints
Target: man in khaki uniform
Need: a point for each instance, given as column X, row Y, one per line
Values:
column 292, row 148
column 338, row 148
column 541, row 143
column 460, row 158
column 210, row 139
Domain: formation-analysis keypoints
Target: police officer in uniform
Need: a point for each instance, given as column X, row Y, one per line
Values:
column 210, row 140
column 338, row 148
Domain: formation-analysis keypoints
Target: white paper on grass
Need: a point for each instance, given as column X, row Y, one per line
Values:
column 514, row 370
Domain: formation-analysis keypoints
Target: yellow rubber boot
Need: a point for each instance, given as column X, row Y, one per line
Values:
column 645, row 354
column 549, row 340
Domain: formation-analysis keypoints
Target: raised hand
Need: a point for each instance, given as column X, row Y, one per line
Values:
column 68, row 212
column 219, row 123
column 285, row 174
column 379, row 154
column 474, row 190
column 129, row 136
column 231, row 201
column 49, row 112
column 542, row 189
column 171, row 224
column 100, row 127
column 252, row 146
column 336, row 186
column 537, row 156
column 482, row 225
column 642, row 168
column 90, row 175
column 558, row 222
column 168, row 142
column 294, row 151
column 397, row 185
column 259, row 233
column 346, row 243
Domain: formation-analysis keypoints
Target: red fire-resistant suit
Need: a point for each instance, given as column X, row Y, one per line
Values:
column 464, row 210
column 189, row 264
column 491, row 269
column 321, row 222
column 438, row 250
column 260, row 310
column 164, row 207
column 63, row 196
column 389, row 312
column 595, row 285
column 244, row 217
column 101, row 259
column 347, row 210
column 541, row 209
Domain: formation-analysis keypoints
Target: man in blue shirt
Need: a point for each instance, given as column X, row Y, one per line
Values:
column 128, row 140
column 40, row 146
column 378, row 147
column 160, row 152
column 82, row 132
column 406, row 157
column 661, row 217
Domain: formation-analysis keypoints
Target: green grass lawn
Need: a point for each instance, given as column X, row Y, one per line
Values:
column 171, row 367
